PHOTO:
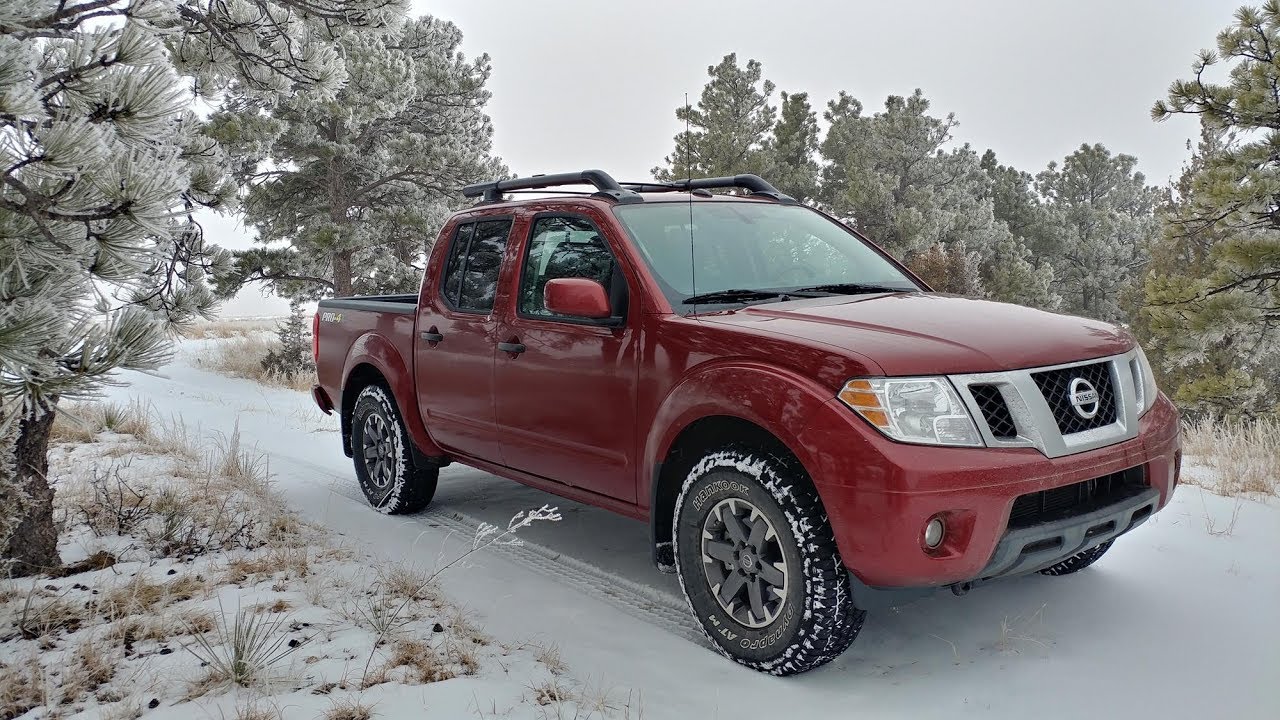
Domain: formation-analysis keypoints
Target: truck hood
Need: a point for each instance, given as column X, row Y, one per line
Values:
column 931, row 334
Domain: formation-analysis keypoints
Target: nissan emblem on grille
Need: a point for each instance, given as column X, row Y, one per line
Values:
column 1083, row 397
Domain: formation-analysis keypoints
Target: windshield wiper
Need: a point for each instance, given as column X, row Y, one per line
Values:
column 732, row 296
column 851, row 289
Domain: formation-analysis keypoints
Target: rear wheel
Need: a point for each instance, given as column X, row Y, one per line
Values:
column 1079, row 561
column 384, row 465
column 758, row 563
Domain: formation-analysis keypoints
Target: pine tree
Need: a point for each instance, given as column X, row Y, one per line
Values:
column 728, row 127
column 790, row 154
column 103, row 164
column 347, row 194
column 892, row 177
column 1216, row 319
column 293, row 357
column 1100, row 224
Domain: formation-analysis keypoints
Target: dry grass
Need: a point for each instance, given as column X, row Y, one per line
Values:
column 22, row 688
column 157, row 628
column 549, row 655
column 1246, row 456
column 142, row 596
column 90, row 670
column 348, row 709
column 241, row 356
column 82, row 422
column 551, row 692
column 42, row 616
column 425, row 664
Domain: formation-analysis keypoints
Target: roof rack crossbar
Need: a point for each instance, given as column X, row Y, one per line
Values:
column 756, row 184
column 604, row 183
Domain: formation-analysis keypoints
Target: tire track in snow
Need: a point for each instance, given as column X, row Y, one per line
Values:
column 644, row 603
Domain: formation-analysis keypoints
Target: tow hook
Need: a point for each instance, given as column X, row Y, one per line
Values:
column 961, row 588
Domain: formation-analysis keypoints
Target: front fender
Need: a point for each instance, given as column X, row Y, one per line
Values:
column 774, row 398
column 378, row 352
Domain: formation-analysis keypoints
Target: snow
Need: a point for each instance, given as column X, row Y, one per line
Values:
column 1178, row 621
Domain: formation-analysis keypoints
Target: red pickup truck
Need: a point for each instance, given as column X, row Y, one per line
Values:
column 803, row 424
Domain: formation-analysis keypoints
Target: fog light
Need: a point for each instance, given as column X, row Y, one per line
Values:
column 934, row 531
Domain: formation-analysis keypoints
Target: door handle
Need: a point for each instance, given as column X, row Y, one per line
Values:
column 431, row 335
column 515, row 348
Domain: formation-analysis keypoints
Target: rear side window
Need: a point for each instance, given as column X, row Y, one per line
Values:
column 475, row 260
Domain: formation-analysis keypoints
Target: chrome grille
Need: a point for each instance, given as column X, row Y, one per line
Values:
column 994, row 410
column 1055, row 386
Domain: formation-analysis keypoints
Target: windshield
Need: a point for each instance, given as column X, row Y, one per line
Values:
column 754, row 247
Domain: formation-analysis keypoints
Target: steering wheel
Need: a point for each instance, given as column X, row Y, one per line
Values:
column 797, row 274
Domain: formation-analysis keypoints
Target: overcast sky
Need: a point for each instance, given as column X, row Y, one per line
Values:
column 581, row 84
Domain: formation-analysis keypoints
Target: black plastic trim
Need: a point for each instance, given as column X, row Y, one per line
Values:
column 492, row 190
column 394, row 304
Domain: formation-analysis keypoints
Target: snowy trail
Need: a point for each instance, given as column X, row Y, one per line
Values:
column 1174, row 623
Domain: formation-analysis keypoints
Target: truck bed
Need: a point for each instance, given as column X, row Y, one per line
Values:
column 400, row 304
column 354, row 330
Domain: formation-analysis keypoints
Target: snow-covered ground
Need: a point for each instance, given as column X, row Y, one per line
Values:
column 1178, row 621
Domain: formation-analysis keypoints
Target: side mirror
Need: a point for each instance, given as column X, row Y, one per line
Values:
column 576, row 297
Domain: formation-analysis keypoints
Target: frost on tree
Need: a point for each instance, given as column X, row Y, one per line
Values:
column 347, row 194
column 1212, row 299
column 103, row 164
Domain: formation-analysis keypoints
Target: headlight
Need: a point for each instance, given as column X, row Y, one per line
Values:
column 915, row 410
column 1144, row 382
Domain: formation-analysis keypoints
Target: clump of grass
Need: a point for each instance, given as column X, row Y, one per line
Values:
column 83, row 422
column 1246, row 455
column 551, row 692
column 549, row 656
column 143, row 596
column 242, row 356
column 90, row 669
column 422, row 660
column 42, row 616
column 245, row 651
column 348, row 709
column 22, row 687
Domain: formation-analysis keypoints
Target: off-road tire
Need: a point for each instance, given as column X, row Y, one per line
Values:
column 816, row 620
column 1079, row 561
column 394, row 485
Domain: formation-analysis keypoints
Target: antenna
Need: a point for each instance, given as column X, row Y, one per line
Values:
column 688, row 167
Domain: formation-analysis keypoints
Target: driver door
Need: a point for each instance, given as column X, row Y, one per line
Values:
column 566, row 403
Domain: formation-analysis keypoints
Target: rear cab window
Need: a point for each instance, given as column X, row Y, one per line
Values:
column 471, row 272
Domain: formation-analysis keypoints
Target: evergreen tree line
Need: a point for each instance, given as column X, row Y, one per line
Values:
column 1072, row 237
column 1193, row 269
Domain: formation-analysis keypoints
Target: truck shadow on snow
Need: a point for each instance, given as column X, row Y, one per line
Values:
column 992, row 625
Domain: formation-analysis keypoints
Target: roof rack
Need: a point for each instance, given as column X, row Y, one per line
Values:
column 754, row 183
column 606, row 186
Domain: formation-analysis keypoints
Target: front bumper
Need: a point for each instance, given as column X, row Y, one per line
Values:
column 1027, row 550
column 879, row 495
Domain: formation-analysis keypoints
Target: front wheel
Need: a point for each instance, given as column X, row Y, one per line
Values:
column 384, row 465
column 758, row 563
column 1079, row 561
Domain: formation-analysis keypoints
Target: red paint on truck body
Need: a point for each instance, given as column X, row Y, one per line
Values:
column 589, row 411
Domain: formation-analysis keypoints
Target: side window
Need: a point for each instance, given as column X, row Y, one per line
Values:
column 562, row 247
column 475, row 260
column 457, row 262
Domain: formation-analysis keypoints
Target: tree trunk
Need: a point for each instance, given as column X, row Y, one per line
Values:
column 28, row 538
column 342, row 285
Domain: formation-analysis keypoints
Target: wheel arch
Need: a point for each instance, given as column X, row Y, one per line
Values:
column 722, row 402
column 374, row 359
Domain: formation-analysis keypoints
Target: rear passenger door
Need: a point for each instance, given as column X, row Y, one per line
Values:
column 566, row 400
column 454, row 350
